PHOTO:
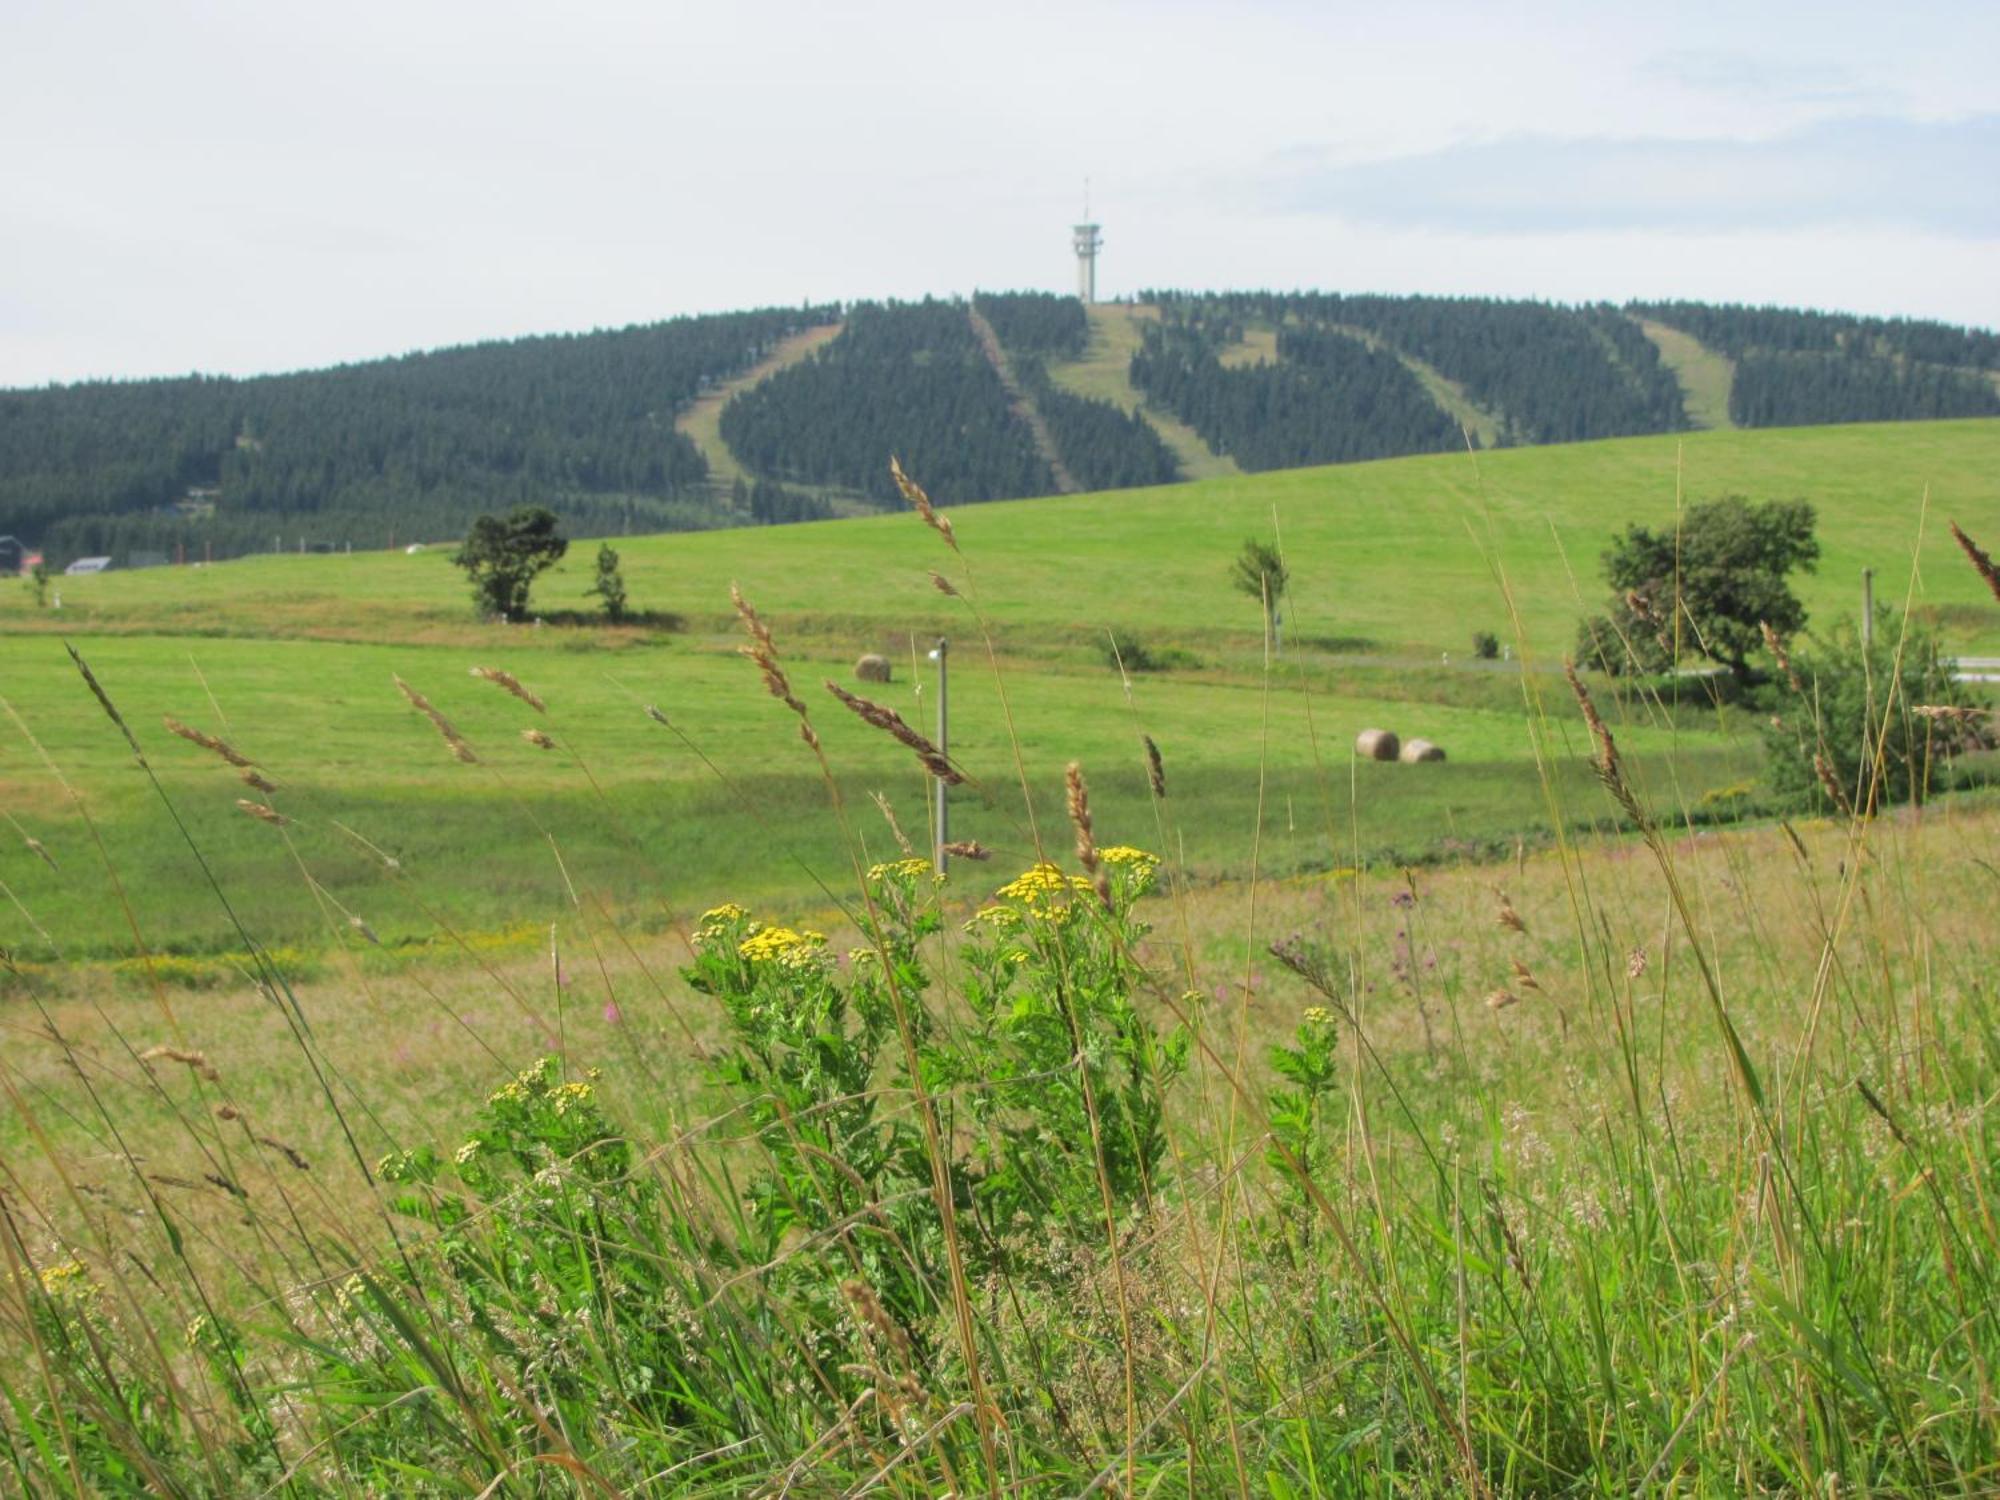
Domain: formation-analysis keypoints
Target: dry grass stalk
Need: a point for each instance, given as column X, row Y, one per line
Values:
column 1776, row 645
column 512, row 684
column 452, row 738
column 1077, row 796
column 207, row 742
column 921, row 503
column 895, row 828
column 944, row 585
column 258, row 781
column 291, row 1153
column 263, row 812
column 968, row 849
column 1823, row 769
column 891, row 722
column 1156, row 769
column 188, row 1056
column 1610, row 770
column 364, row 929
column 1507, row 917
column 1635, row 963
column 763, row 651
column 1986, row 566
column 1525, row 977
column 1961, row 713
column 1501, row 999
column 539, row 740
column 40, row 850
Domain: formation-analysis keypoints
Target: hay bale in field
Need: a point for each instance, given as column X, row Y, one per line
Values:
column 1418, row 751
column 872, row 668
column 1377, row 744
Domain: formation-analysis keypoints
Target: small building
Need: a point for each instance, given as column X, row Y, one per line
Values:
column 88, row 565
column 13, row 555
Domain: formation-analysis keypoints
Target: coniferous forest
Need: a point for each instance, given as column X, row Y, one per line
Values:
column 413, row 448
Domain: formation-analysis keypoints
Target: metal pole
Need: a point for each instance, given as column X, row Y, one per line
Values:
column 944, row 748
column 1867, row 609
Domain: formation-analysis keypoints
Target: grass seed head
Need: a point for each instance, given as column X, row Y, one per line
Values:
column 1077, row 797
column 969, row 849
column 1984, row 564
column 512, row 684
column 538, row 739
column 263, row 812
column 454, row 741
column 187, row 1056
column 891, row 723
column 921, row 503
column 1610, row 770
column 1156, row 769
column 257, row 781
column 207, row 742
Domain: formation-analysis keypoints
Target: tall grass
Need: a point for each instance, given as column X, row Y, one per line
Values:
column 1662, row 1162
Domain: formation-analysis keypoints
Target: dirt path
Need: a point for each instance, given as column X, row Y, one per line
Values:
column 1023, row 405
column 701, row 422
column 1104, row 373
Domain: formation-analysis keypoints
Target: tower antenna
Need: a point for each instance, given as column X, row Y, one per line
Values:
column 1086, row 241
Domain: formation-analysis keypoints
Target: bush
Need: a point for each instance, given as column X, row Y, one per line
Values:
column 1485, row 645
column 1133, row 655
column 609, row 585
column 1851, row 732
column 504, row 556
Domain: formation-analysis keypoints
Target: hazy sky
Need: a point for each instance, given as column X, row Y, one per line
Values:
column 258, row 186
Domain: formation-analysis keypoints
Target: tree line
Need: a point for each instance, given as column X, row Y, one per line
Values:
column 414, row 446
column 1330, row 398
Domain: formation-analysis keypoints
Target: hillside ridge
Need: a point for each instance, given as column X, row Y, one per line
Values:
column 783, row 414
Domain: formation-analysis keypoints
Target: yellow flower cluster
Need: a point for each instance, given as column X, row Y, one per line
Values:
column 572, row 1096
column 1040, row 884
column 718, row 917
column 999, row 918
column 1124, row 854
column 782, row 945
column 469, row 1152
column 904, row 869
column 70, row 1279
column 1318, row 1015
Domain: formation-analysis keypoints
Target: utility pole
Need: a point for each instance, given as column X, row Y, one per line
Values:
column 940, row 655
column 1867, row 609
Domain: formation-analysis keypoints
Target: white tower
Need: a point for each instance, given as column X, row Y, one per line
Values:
column 1087, row 242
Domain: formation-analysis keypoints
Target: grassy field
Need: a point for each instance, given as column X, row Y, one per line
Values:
column 1501, row 1127
column 1704, row 375
column 1394, row 565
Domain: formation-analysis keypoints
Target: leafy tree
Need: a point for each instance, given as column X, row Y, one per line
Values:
column 609, row 585
column 38, row 584
column 504, row 555
column 1711, row 585
column 1260, row 572
column 1859, row 726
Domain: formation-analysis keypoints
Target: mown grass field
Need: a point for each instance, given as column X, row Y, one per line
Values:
column 1394, row 565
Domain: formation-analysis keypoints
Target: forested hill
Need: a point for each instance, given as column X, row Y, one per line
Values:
column 996, row 398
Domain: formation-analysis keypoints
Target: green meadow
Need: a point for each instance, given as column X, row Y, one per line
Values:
column 293, row 660
column 615, row 1112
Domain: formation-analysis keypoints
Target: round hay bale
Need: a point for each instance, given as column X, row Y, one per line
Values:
column 1377, row 744
column 872, row 668
column 1417, row 751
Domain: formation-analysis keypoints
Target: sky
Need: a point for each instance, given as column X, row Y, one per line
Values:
column 241, row 188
